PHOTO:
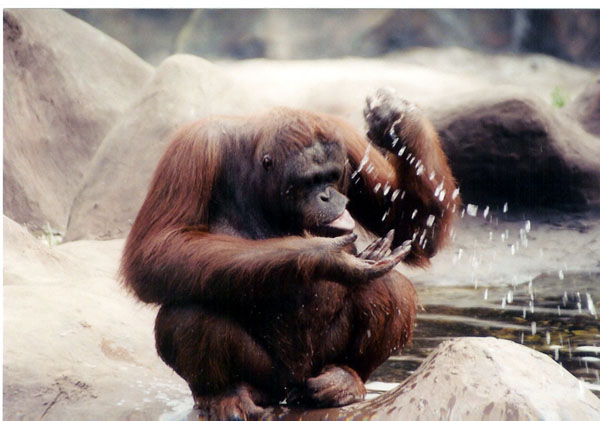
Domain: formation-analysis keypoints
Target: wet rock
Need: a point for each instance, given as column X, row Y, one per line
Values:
column 478, row 379
column 489, row 378
column 506, row 145
column 64, row 85
column 184, row 88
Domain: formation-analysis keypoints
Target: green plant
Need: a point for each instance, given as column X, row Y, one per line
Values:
column 559, row 97
column 50, row 235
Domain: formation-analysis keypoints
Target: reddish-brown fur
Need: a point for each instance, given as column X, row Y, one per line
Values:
column 248, row 319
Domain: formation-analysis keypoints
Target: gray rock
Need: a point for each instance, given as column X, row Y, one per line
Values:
column 568, row 34
column 184, row 88
column 77, row 346
column 507, row 145
column 64, row 85
column 586, row 107
column 478, row 379
column 317, row 33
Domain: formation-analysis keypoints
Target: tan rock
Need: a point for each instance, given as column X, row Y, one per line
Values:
column 64, row 85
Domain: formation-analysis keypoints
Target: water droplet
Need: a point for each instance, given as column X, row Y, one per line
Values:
column 533, row 328
column 363, row 162
column 432, row 175
column 377, row 187
column 505, row 208
column 472, row 210
column 386, row 189
column 503, row 302
column 414, row 214
column 590, row 304
column 430, row 220
column 455, row 194
column 527, row 225
column 442, row 195
column 512, row 249
column 561, row 275
column 401, row 151
column 385, row 215
column 509, row 296
column 457, row 256
column 485, row 294
column 548, row 338
column 491, row 236
column 394, row 136
column 486, row 211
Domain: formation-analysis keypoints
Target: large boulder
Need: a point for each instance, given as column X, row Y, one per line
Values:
column 477, row 379
column 65, row 83
column 507, row 145
column 290, row 34
column 585, row 108
column 184, row 88
column 76, row 344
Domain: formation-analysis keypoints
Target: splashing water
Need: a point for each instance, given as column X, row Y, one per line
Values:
column 590, row 304
column 430, row 220
column 472, row 210
column 386, row 188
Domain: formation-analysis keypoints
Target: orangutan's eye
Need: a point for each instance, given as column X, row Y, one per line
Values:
column 267, row 162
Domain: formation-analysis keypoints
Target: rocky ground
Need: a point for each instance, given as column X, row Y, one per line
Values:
column 78, row 346
column 85, row 121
